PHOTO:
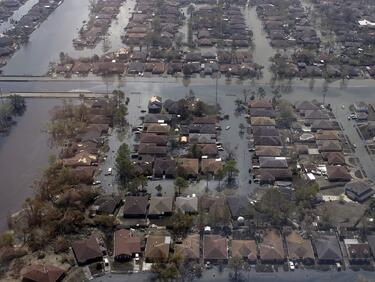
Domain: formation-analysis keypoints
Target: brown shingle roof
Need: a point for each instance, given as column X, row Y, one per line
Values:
column 157, row 247
column 209, row 149
column 205, row 120
column 338, row 173
column 135, row 205
column 211, row 165
column 267, row 151
column 42, row 273
column 125, row 243
column 260, row 104
column 271, row 249
column 189, row 249
column 298, row 248
column 190, row 166
column 336, row 158
column 158, row 129
column 262, row 121
column 160, row 205
column 160, row 140
column 87, row 250
column 215, row 247
column 245, row 249
column 187, row 204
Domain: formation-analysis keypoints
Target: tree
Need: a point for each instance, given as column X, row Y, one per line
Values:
column 123, row 164
column 181, row 223
column 18, row 104
column 142, row 181
column 236, row 264
column 219, row 176
column 285, row 115
column 230, row 170
column 180, row 184
column 261, row 93
column 306, row 194
column 159, row 188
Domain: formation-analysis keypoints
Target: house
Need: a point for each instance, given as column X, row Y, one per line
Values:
column 209, row 150
column 274, row 141
column 212, row 166
column 135, row 206
column 311, row 115
column 326, row 135
column 155, row 105
column 299, row 249
column 198, row 138
column 359, row 190
column 205, row 120
column 338, row 173
column 305, row 106
column 87, row 251
column 245, row 249
column 83, row 174
column 42, row 273
column 267, row 151
column 335, row 158
column 327, row 248
column 159, row 140
column 125, row 245
column 190, row 167
column 81, row 159
column 189, row 249
column 217, row 206
column 215, row 248
column 157, row 248
column 270, row 175
column 157, row 118
column 265, row 131
column 159, row 129
column 358, row 253
column 238, row 206
column 202, row 128
column 152, row 150
column 271, row 250
column 262, row 121
column 107, row 204
column 187, row 204
column 260, row 112
column 160, row 206
column 260, row 104
column 361, row 107
column 164, row 167
column 329, row 146
column 322, row 125
column 273, row 162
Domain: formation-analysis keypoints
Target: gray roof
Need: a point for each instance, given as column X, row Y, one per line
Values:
column 187, row 204
column 273, row 162
column 327, row 247
column 160, row 205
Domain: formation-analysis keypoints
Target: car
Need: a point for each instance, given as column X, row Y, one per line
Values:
column 109, row 171
column 354, row 146
column 107, row 267
column 291, row 265
column 338, row 266
column 251, row 149
column 219, row 148
column 208, row 265
column 96, row 182
column 227, row 127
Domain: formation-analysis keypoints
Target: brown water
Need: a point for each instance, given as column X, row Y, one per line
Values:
column 23, row 155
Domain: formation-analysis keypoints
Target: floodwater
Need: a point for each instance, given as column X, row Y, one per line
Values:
column 17, row 15
column 23, row 155
column 56, row 34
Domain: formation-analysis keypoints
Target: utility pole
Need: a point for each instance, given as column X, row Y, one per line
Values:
column 217, row 77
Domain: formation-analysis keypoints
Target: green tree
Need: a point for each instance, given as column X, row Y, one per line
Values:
column 230, row 170
column 285, row 115
column 181, row 223
column 219, row 176
column 18, row 104
column 123, row 165
column 236, row 264
column 180, row 184
column 306, row 194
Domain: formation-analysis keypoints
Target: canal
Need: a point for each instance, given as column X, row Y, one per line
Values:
column 23, row 155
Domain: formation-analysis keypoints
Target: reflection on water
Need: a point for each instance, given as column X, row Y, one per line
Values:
column 23, row 155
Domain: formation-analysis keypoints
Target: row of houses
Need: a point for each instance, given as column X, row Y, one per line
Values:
column 287, row 24
column 101, row 15
column 125, row 61
column 196, row 141
column 273, row 248
column 229, row 29
column 153, row 23
column 268, row 163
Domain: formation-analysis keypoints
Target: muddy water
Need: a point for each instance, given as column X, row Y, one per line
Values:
column 55, row 35
column 23, row 155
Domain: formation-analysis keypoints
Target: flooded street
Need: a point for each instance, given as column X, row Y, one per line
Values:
column 23, row 155
column 55, row 35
